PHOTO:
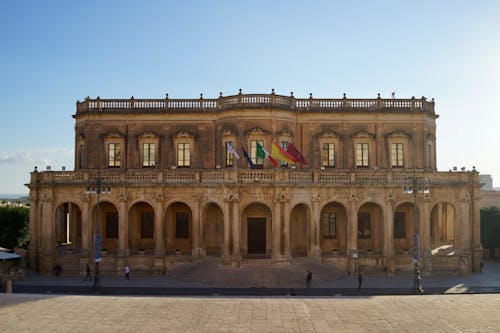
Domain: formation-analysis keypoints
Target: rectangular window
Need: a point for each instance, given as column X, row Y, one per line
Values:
column 147, row 224
column 329, row 223
column 328, row 155
column 184, row 155
column 148, row 155
column 82, row 156
column 111, row 225
column 362, row 155
column 114, row 155
column 258, row 161
column 284, row 145
column 181, row 225
column 229, row 155
column 397, row 155
column 364, row 225
column 399, row 225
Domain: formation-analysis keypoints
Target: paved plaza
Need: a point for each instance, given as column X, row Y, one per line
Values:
column 422, row 313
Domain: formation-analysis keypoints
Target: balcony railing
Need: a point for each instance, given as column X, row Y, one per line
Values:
column 271, row 176
column 255, row 100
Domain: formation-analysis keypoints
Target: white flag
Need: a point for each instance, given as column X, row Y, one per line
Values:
column 232, row 151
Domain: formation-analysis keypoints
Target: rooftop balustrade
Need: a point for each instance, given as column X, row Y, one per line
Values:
column 245, row 176
column 255, row 101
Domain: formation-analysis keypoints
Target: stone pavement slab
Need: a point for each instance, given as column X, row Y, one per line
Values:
column 422, row 313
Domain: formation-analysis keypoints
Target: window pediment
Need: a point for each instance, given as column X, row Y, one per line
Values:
column 114, row 135
column 257, row 131
column 184, row 135
column 398, row 134
column 363, row 134
column 286, row 133
column 329, row 135
column 148, row 136
column 228, row 133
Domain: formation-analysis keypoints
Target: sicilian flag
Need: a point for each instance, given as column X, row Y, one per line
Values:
column 292, row 150
column 232, row 151
column 249, row 160
column 279, row 153
column 262, row 153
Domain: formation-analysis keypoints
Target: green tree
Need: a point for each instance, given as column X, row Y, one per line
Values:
column 14, row 226
column 490, row 227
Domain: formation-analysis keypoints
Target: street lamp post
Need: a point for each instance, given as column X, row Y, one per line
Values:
column 414, row 188
column 97, row 187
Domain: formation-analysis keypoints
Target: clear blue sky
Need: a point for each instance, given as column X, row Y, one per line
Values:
column 53, row 53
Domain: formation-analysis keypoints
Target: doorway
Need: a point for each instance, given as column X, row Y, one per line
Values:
column 256, row 235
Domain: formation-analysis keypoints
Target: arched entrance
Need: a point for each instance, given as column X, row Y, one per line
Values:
column 443, row 228
column 404, row 228
column 179, row 228
column 108, row 225
column 370, row 226
column 141, row 226
column 213, row 230
column 256, row 230
column 68, row 226
column 300, row 231
column 333, row 228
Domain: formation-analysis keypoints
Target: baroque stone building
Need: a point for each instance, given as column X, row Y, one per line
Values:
column 175, row 191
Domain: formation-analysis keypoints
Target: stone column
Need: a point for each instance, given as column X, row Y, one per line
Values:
column 315, row 229
column 34, row 236
column 48, row 226
column 236, row 224
column 388, row 246
column 286, row 231
column 426, row 236
column 227, row 228
column 123, row 226
column 277, row 217
column 86, row 226
column 477, row 250
column 352, row 234
column 197, row 227
column 158, row 234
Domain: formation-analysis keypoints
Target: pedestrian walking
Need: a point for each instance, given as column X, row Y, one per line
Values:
column 87, row 271
column 127, row 272
column 360, row 281
column 308, row 279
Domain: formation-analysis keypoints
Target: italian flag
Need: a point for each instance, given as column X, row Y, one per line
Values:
column 263, row 153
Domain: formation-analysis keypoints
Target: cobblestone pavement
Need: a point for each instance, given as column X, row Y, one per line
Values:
column 422, row 313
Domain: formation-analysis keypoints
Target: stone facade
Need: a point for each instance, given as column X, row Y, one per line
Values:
column 176, row 192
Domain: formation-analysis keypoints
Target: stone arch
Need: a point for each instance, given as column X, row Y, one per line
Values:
column 300, row 230
column 256, row 229
column 178, row 230
column 68, row 225
column 141, row 226
column 443, row 228
column 370, row 227
column 105, row 220
column 213, row 229
column 333, row 228
column 404, row 226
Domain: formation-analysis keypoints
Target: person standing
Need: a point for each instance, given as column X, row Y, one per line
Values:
column 87, row 276
column 127, row 272
column 360, row 281
column 308, row 279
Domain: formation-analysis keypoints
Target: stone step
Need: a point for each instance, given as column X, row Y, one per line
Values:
column 254, row 273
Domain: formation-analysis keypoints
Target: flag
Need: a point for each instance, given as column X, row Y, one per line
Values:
column 292, row 150
column 262, row 152
column 249, row 160
column 278, row 153
column 232, row 151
